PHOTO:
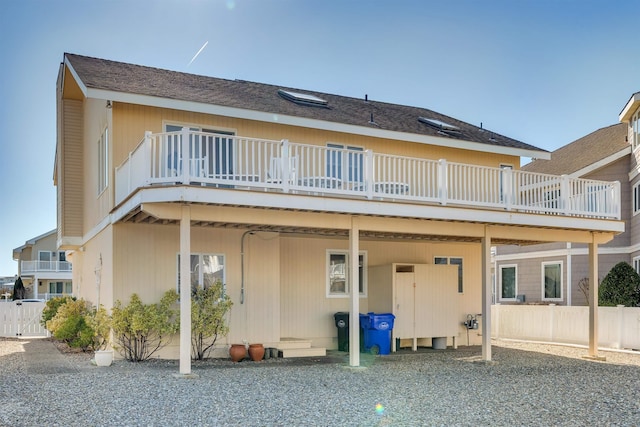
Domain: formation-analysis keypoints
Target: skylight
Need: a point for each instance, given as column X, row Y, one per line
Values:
column 302, row 98
column 440, row 125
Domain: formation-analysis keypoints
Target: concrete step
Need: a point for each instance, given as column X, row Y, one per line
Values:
column 293, row 343
column 303, row 352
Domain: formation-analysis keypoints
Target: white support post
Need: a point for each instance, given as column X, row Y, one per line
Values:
column 593, row 298
column 148, row 155
column 184, row 155
column 442, row 182
column 507, row 187
column 354, row 280
column 285, row 171
column 564, row 194
column 369, row 176
column 185, row 291
column 486, row 296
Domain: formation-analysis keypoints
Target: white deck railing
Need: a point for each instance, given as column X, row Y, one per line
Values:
column 42, row 266
column 228, row 161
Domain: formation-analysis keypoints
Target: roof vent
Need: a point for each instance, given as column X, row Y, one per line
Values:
column 440, row 125
column 302, row 98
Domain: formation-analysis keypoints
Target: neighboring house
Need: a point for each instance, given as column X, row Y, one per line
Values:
column 163, row 175
column 558, row 272
column 44, row 269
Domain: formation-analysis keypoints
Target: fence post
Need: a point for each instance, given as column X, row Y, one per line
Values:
column 552, row 310
column 564, row 194
column 284, row 167
column 442, row 182
column 369, row 178
column 620, row 328
column 184, row 155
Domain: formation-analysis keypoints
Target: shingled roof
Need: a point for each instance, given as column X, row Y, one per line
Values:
column 583, row 152
column 135, row 79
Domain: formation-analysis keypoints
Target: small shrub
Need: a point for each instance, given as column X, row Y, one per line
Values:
column 621, row 286
column 140, row 330
column 100, row 323
column 70, row 325
column 51, row 308
column 208, row 311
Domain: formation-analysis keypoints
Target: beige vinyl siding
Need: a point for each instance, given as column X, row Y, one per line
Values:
column 131, row 121
column 70, row 186
column 307, row 313
column 580, row 269
column 145, row 262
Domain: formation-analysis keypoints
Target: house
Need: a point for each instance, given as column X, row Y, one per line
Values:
column 44, row 269
column 163, row 175
column 558, row 273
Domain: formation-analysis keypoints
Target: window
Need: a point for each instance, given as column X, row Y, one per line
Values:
column 347, row 157
column 338, row 274
column 205, row 269
column 636, row 264
column 552, row 281
column 635, row 127
column 508, row 277
column 60, row 288
column 103, row 161
column 452, row 261
column 215, row 151
column 636, row 198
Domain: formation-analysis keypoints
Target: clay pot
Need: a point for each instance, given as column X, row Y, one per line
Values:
column 256, row 352
column 237, row 352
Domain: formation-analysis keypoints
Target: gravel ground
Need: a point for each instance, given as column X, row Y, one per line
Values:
column 525, row 384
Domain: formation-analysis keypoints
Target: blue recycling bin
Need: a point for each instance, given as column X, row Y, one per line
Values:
column 377, row 329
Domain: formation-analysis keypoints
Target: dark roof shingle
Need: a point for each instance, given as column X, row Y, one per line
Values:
column 135, row 79
column 585, row 151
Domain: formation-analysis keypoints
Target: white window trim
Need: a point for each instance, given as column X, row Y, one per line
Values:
column 515, row 291
column 635, row 198
column 103, row 161
column 545, row 263
column 636, row 264
column 200, row 274
column 347, row 294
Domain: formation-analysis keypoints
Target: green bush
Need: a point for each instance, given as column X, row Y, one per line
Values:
column 140, row 330
column 70, row 325
column 208, row 311
column 621, row 286
column 51, row 308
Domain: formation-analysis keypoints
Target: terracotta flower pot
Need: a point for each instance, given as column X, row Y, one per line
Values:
column 256, row 352
column 237, row 352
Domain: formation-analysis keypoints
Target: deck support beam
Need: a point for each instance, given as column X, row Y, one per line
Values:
column 486, row 296
column 354, row 288
column 185, row 291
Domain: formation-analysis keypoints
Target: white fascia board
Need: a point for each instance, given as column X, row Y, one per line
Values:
column 362, row 207
column 630, row 108
column 620, row 250
column 601, row 163
column 78, row 80
column 262, row 116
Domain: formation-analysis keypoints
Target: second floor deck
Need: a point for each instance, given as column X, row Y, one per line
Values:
column 224, row 161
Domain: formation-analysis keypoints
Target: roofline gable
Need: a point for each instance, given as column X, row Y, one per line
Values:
column 630, row 107
column 601, row 163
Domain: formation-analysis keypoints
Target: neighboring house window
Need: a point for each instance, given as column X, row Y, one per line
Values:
column 338, row 284
column 552, row 281
column 636, row 198
column 635, row 127
column 508, row 277
column 44, row 260
column 452, row 261
column 103, row 161
column 354, row 158
column 60, row 288
column 205, row 270
column 636, row 264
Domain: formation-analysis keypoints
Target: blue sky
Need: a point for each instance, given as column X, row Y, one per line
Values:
column 545, row 72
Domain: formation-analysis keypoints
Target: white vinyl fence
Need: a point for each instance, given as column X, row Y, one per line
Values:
column 21, row 319
column 618, row 327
